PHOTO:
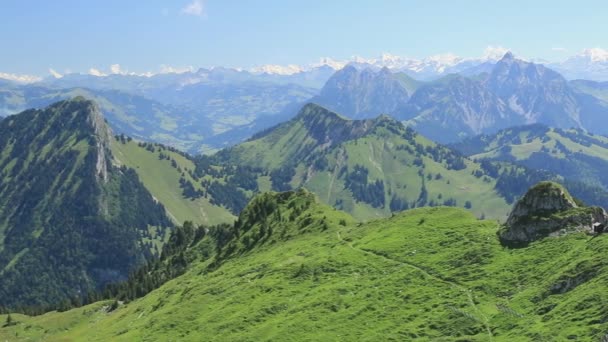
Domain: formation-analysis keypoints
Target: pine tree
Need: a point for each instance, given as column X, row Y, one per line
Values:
column 9, row 321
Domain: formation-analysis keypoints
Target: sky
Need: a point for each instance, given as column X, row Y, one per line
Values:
column 170, row 35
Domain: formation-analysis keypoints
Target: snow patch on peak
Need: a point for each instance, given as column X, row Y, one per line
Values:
column 595, row 54
column 495, row 53
column 20, row 78
column 332, row 63
column 446, row 59
column 276, row 69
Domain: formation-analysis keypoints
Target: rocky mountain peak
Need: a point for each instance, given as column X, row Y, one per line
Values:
column 86, row 113
column 508, row 57
column 542, row 199
column 547, row 209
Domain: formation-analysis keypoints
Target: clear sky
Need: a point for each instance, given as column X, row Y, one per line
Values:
column 76, row 35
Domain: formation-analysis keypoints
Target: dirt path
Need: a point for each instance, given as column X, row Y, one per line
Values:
column 430, row 275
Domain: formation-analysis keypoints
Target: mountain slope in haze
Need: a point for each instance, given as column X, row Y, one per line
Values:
column 455, row 107
column 498, row 95
column 515, row 92
column 296, row 270
column 129, row 114
column 536, row 93
column 590, row 64
column 189, row 117
column 596, row 89
column 70, row 221
column 369, row 168
column 151, row 86
column 365, row 94
column 230, row 105
column 574, row 154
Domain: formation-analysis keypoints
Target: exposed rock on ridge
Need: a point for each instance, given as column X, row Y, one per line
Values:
column 547, row 209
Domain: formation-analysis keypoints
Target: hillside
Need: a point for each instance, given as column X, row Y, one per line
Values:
column 298, row 270
column 67, row 215
column 596, row 89
column 368, row 168
column 574, row 154
column 160, row 169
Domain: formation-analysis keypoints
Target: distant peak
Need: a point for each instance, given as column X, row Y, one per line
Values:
column 385, row 70
column 595, row 54
column 80, row 98
column 349, row 68
column 508, row 56
column 385, row 118
column 311, row 110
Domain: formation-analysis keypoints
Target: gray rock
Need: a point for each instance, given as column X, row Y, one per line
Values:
column 547, row 209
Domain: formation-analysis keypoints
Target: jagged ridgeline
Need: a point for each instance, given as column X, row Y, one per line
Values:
column 294, row 269
column 70, row 220
column 368, row 168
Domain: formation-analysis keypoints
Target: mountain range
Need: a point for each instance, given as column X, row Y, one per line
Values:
column 446, row 110
column 98, row 215
column 66, row 176
column 209, row 109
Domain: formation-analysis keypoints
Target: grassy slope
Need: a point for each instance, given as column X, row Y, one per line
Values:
column 378, row 152
column 429, row 273
column 573, row 154
column 162, row 180
column 596, row 89
column 408, row 83
column 529, row 145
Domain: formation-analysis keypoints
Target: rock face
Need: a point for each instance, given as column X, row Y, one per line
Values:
column 363, row 94
column 547, row 209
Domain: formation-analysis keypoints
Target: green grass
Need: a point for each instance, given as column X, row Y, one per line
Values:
column 376, row 145
column 162, row 180
column 524, row 148
column 430, row 274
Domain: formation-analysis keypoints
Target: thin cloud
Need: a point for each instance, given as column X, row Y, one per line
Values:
column 196, row 8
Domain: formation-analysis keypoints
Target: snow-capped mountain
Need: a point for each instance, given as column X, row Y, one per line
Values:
column 427, row 68
column 590, row 64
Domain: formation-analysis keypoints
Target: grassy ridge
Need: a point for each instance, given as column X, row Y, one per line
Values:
column 573, row 154
column 324, row 150
column 428, row 273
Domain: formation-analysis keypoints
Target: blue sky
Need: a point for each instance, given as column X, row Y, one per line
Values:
column 76, row 35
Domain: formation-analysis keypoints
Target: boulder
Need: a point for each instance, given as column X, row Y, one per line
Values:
column 547, row 209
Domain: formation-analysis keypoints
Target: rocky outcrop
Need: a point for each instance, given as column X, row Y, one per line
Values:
column 103, row 136
column 547, row 209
